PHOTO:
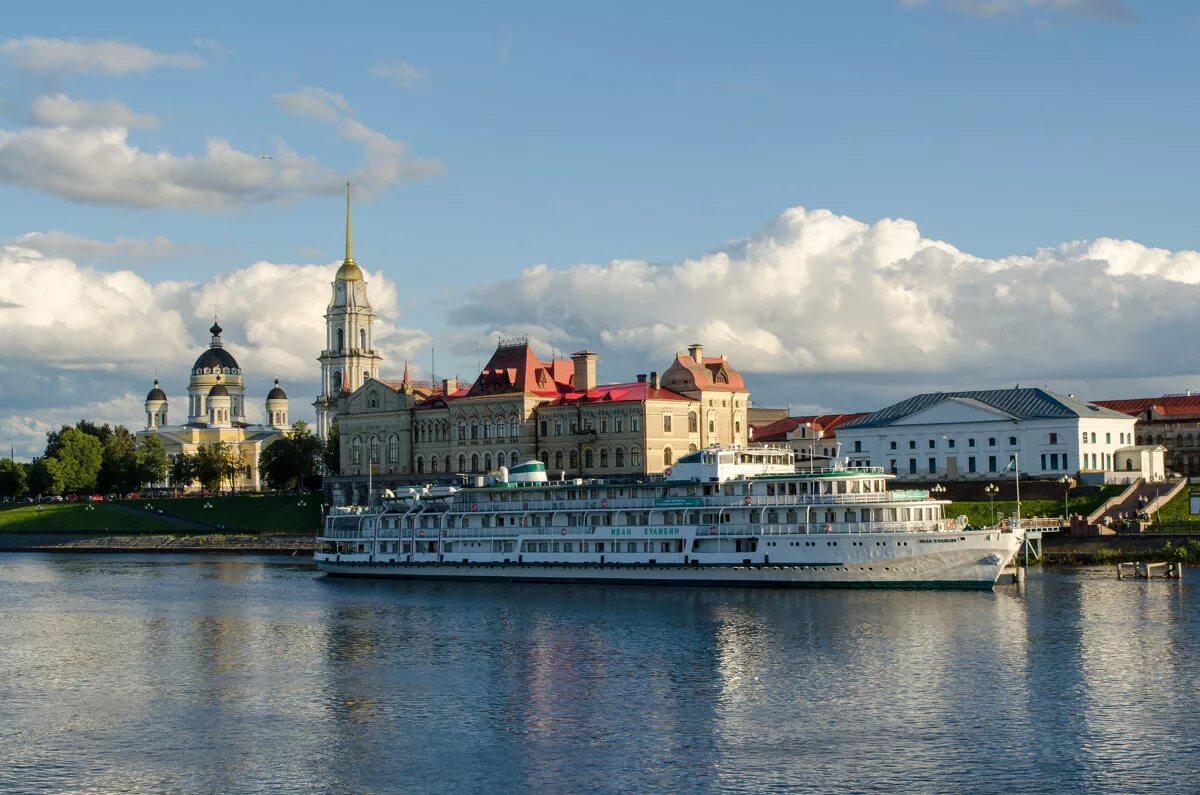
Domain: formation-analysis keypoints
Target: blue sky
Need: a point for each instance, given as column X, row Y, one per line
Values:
column 585, row 133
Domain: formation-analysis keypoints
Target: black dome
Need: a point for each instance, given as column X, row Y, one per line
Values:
column 156, row 393
column 216, row 359
column 218, row 390
column 276, row 393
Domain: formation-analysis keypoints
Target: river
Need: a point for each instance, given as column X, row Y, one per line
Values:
column 241, row 674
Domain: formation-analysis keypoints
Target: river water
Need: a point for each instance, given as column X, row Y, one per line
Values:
column 237, row 674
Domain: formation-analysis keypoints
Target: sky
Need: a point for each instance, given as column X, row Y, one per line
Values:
column 853, row 201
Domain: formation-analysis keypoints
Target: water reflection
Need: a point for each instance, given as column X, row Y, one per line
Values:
column 240, row 674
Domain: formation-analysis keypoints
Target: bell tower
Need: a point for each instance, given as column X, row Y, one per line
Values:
column 349, row 357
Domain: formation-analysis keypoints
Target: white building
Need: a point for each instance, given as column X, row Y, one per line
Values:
column 975, row 436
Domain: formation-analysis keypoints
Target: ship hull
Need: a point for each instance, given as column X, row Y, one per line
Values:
column 967, row 569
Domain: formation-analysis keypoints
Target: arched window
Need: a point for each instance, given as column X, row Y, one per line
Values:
column 712, row 426
column 374, row 449
column 366, row 375
column 462, row 430
column 433, row 464
column 514, row 427
column 462, row 462
column 558, row 459
column 474, row 462
column 635, row 457
column 587, row 459
column 691, row 448
column 393, row 449
column 693, row 422
column 339, row 337
column 619, row 457
column 474, row 429
column 336, row 386
column 487, row 462
column 668, row 456
column 737, row 427
column 448, row 462
column 487, row 430
column 362, row 338
column 514, row 459
column 356, row 451
column 604, row 459
column 420, row 464
column 574, row 459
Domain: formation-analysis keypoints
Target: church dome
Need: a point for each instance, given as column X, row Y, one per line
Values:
column 277, row 393
column 349, row 272
column 156, row 393
column 215, row 359
column 218, row 390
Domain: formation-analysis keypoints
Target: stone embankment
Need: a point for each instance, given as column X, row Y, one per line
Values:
column 264, row 544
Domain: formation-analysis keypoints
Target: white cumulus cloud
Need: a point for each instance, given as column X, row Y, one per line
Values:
column 815, row 300
column 78, row 337
column 106, row 57
column 120, row 250
column 317, row 103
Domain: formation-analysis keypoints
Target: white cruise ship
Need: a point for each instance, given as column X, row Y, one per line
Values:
column 721, row 516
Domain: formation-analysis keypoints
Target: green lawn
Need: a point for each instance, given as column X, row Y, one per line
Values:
column 246, row 513
column 980, row 513
column 68, row 517
column 1177, row 510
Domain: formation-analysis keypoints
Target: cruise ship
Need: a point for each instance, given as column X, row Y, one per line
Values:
column 721, row 516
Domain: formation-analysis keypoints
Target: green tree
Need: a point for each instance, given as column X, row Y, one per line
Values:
column 119, row 465
column 232, row 463
column 79, row 456
column 333, row 452
column 13, row 481
column 44, row 476
column 151, row 460
column 206, row 466
column 182, row 471
column 294, row 460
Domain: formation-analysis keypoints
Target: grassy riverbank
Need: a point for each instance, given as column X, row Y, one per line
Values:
column 980, row 513
column 185, row 515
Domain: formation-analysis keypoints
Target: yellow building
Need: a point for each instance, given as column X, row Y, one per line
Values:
column 521, row 407
column 217, row 412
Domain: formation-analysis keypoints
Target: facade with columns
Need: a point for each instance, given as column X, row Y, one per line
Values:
column 521, row 407
column 216, row 412
column 349, row 359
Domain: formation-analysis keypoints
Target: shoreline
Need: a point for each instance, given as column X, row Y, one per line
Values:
column 200, row 543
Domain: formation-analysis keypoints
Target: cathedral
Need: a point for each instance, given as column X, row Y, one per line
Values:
column 216, row 412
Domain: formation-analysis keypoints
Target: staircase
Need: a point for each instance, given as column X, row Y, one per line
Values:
column 1129, row 502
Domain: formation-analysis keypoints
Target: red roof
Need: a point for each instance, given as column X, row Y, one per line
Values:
column 710, row 373
column 613, row 393
column 777, row 431
column 1166, row 406
column 515, row 368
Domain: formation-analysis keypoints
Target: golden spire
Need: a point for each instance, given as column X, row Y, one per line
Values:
column 349, row 270
column 349, row 245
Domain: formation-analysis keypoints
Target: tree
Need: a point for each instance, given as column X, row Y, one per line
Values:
column 119, row 465
column 13, row 481
column 79, row 456
column 292, row 461
column 232, row 463
column 182, row 471
column 151, row 460
column 44, row 476
column 333, row 452
column 206, row 466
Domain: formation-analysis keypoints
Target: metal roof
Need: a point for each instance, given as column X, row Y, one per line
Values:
column 1023, row 403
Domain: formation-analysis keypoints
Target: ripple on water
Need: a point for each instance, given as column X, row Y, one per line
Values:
column 230, row 675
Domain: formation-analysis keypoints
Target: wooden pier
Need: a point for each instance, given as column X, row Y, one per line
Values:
column 1145, row 571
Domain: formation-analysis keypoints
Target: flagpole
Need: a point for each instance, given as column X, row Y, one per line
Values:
column 1017, row 466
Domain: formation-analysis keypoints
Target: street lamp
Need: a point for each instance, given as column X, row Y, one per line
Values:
column 938, row 489
column 1068, row 483
column 817, row 433
column 992, row 490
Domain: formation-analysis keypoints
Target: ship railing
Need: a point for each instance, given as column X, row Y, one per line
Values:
column 709, row 501
column 827, row 528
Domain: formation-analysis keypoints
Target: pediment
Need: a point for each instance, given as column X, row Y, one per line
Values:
column 955, row 410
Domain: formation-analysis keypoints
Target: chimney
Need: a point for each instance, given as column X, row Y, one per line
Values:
column 641, row 378
column 697, row 352
column 449, row 385
column 585, row 370
column 654, row 379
